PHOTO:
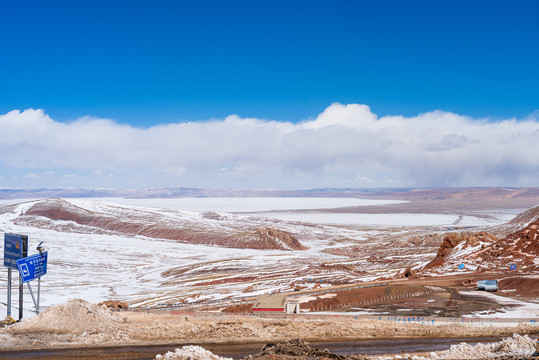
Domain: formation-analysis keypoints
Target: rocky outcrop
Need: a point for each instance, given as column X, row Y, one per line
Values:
column 520, row 248
column 278, row 239
column 451, row 241
column 114, row 304
column 299, row 349
column 485, row 252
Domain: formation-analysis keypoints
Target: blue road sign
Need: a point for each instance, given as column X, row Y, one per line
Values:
column 12, row 250
column 461, row 266
column 512, row 267
column 33, row 266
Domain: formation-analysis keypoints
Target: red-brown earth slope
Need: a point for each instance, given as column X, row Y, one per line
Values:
column 192, row 228
column 483, row 251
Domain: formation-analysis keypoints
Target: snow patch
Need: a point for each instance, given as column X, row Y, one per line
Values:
column 515, row 346
column 190, row 353
column 517, row 309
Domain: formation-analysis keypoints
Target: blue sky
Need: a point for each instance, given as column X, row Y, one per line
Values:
column 148, row 62
column 142, row 64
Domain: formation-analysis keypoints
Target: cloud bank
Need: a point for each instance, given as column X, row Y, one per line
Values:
column 344, row 146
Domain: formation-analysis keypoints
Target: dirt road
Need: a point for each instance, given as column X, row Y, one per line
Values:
column 239, row 351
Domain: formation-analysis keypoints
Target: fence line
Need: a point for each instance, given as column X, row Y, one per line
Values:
column 459, row 321
column 400, row 320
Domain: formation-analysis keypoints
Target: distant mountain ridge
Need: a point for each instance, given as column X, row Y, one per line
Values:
column 464, row 194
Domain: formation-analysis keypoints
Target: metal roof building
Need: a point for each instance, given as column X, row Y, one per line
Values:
column 270, row 303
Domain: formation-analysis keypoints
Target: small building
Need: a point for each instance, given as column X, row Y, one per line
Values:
column 487, row 285
column 275, row 303
column 292, row 306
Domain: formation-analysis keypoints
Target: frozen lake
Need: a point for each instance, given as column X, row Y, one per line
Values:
column 250, row 204
column 391, row 219
column 296, row 209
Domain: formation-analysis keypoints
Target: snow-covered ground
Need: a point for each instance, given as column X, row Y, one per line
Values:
column 387, row 219
column 514, row 308
column 293, row 209
column 251, row 204
column 145, row 271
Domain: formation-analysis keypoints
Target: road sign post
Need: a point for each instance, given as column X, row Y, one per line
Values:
column 15, row 248
column 38, row 292
column 31, row 268
column 8, row 293
column 33, row 298
column 21, row 298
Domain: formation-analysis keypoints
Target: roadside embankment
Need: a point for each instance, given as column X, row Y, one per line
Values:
column 79, row 323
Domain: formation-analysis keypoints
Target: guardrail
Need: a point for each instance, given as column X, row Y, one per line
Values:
column 460, row 321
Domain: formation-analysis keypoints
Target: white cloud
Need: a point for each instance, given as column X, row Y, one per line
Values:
column 362, row 178
column 431, row 149
column 176, row 171
column 32, row 176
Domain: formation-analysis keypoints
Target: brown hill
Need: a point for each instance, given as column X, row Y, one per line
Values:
column 61, row 215
column 451, row 241
column 520, row 248
column 484, row 252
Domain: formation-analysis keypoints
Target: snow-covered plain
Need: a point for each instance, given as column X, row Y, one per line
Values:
column 514, row 308
column 387, row 219
column 251, row 204
column 145, row 271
